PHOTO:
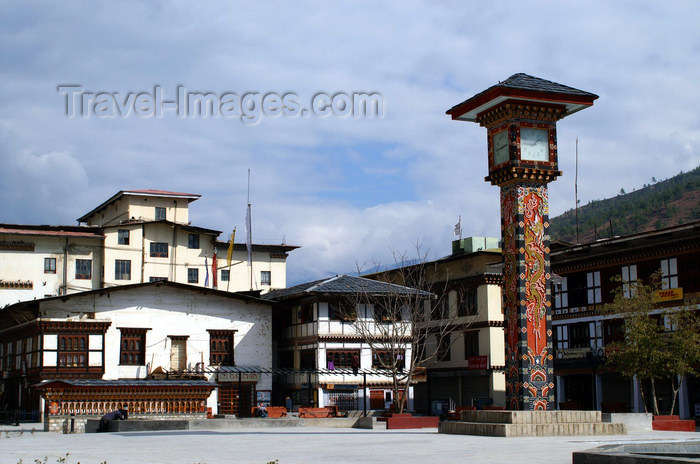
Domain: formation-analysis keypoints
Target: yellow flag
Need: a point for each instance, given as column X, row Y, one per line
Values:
column 229, row 254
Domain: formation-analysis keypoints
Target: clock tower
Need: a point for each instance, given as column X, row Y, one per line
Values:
column 520, row 116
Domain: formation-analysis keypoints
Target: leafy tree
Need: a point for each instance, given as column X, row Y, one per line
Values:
column 650, row 350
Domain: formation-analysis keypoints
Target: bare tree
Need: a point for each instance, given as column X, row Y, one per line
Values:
column 406, row 321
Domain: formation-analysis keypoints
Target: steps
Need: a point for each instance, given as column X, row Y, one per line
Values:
column 531, row 424
column 672, row 423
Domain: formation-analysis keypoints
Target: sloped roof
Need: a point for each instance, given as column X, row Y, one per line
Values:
column 522, row 87
column 343, row 285
column 147, row 192
column 52, row 231
column 92, row 383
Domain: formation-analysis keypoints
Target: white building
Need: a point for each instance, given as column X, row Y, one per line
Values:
column 136, row 236
column 137, row 332
column 314, row 334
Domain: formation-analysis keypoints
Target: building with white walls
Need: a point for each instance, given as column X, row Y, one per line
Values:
column 468, row 367
column 137, row 333
column 136, row 236
column 316, row 333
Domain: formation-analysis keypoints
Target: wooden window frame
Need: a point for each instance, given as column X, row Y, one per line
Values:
column 471, row 344
column 265, row 277
column 193, row 241
column 342, row 359
column 132, row 347
column 379, row 355
column 161, row 213
column 192, row 271
column 222, row 347
column 72, row 350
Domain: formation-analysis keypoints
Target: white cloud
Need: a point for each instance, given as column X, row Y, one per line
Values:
column 346, row 190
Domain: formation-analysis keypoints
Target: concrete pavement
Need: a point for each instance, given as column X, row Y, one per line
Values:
column 295, row 445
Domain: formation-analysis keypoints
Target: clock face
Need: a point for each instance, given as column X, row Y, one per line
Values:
column 534, row 144
column 500, row 147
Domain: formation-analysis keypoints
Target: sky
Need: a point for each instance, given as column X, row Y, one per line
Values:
column 352, row 190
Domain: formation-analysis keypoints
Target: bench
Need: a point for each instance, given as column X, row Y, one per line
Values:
column 272, row 411
column 456, row 415
column 327, row 411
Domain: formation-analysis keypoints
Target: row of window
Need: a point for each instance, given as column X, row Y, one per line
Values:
column 122, row 268
column 590, row 291
column 123, row 239
column 73, row 350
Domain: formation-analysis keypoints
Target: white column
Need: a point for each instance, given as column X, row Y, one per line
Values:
column 683, row 405
column 561, row 397
column 598, row 392
column 636, row 396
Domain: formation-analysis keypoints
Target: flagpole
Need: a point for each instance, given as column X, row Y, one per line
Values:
column 249, row 238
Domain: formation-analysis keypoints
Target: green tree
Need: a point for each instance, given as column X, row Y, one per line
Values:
column 650, row 350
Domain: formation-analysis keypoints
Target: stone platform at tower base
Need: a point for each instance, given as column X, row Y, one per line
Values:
column 531, row 424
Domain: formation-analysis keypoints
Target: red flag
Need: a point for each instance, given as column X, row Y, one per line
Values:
column 213, row 270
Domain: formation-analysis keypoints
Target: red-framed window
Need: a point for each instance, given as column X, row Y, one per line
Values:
column 221, row 347
column 341, row 359
column 72, row 350
column 132, row 347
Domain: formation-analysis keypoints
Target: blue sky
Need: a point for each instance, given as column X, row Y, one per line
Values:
column 347, row 190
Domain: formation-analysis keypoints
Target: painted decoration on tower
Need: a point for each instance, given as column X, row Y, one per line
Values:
column 529, row 370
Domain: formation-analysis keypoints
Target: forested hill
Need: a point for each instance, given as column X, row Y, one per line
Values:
column 661, row 204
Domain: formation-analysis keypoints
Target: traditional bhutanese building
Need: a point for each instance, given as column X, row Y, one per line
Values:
column 153, row 347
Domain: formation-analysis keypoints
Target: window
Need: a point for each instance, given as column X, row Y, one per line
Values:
column 49, row 265
column 225, row 275
column 593, row 287
column 561, row 337
column 443, row 352
column 561, row 294
column 221, row 347
column 629, row 275
column 122, row 237
column 384, row 312
column 72, row 350
column 265, row 277
column 613, row 330
column 160, row 213
column 133, row 347
column 306, row 314
column 192, row 275
column 341, row 359
column 579, row 335
column 468, row 305
column 83, row 269
column 157, row 279
column 341, row 311
column 440, row 308
column 159, row 250
column 193, row 241
column 382, row 359
column 471, row 344
column 307, row 359
column 669, row 273
column 122, row 269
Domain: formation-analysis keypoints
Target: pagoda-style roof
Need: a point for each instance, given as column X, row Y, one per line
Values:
column 523, row 87
column 344, row 285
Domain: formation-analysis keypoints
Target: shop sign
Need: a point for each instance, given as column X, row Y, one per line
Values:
column 573, row 353
column 670, row 294
column 244, row 377
column 478, row 362
column 341, row 386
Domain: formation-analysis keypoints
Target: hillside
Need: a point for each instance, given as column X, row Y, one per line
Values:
column 661, row 204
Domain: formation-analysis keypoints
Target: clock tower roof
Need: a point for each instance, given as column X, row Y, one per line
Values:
column 523, row 87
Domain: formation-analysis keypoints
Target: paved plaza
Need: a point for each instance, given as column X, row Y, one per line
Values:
column 293, row 445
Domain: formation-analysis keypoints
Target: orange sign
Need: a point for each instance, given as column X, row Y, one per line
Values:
column 670, row 294
column 53, row 407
